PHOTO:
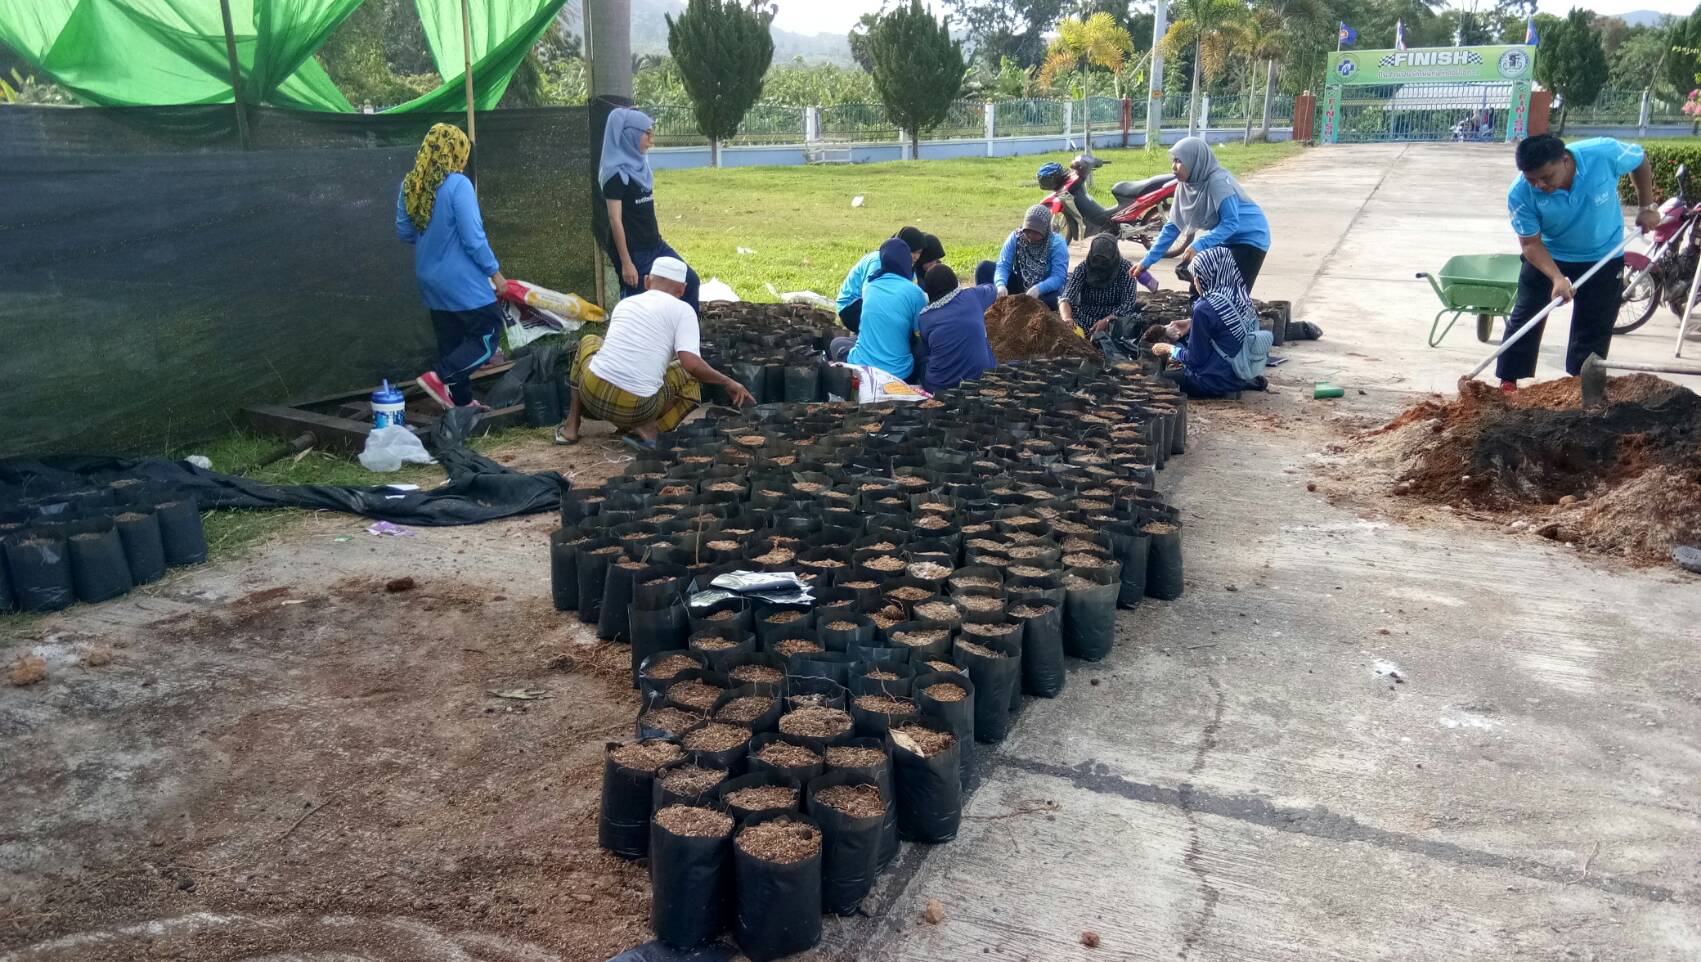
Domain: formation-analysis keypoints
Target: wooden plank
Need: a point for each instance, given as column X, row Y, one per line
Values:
column 328, row 432
column 408, row 388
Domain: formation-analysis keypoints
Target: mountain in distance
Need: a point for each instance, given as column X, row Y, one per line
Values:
column 649, row 35
column 1642, row 18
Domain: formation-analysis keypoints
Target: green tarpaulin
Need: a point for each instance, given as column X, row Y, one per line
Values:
column 172, row 52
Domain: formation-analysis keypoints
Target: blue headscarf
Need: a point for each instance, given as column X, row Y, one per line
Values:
column 620, row 153
column 895, row 259
column 1225, row 289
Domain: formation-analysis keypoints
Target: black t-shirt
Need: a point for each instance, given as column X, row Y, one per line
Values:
column 637, row 213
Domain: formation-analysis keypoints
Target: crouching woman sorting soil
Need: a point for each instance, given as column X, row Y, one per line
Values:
column 648, row 373
column 437, row 212
column 891, row 303
column 1033, row 260
column 1225, row 352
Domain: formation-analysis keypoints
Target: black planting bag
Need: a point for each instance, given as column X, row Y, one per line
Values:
column 1089, row 614
column 881, row 774
column 144, row 548
column 1043, row 668
column 40, row 567
column 861, row 684
column 653, row 691
column 624, row 825
column 99, row 569
column 929, row 789
column 542, row 404
column 592, row 569
column 1163, row 566
column 563, row 570
column 731, row 760
column 874, row 724
column 707, row 643
column 690, row 886
column 959, row 715
column 662, row 798
column 664, row 629
column 765, row 722
column 797, row 773
column 763, row 779
column 850, row 845
column 995, row 679
column 612, row 617
column 778, row 905
column 181, row 534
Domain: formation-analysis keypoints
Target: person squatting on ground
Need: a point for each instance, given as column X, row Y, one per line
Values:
column 1209, row 199
column 953, row 331
column 891, row 304
column 1225, row 352
column 850, row 292
column 437, row 212
column 1034, row 260
column 1101, row 289
column 1564, row 206
column 628, row 186
column 648, row 373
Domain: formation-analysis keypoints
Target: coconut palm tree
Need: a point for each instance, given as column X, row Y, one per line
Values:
column 1201, row 25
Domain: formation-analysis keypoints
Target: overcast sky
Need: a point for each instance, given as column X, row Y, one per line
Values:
column 838, row 16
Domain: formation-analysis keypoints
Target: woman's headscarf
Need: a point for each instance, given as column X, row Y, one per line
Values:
column 941, row 286
column 620, row 153
column 444, row 152
column 895, row 259
column 1207, row 186
column 1033, row 258
column 1220, row 277
column 1104, row 260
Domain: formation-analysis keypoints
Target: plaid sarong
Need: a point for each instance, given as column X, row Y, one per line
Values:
column 601, row 401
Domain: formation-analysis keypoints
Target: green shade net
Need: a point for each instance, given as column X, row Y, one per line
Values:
column 122, row 53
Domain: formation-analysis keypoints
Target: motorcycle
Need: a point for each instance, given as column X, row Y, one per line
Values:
column 1666, row 271
column 1139, row 203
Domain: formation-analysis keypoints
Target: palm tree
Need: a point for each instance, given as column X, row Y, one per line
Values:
column 1262, row 37
column 1200, row 24
column 1081, row 45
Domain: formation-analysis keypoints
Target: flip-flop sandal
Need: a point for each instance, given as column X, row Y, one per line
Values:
column 638, row 444
column 563, row 440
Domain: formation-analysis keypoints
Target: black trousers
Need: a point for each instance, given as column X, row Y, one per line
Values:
column 1250, row 260
column 851, row 316
column 465, row 340
column 1592, row 315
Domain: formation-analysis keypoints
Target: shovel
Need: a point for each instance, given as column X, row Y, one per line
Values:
column 1593, row 378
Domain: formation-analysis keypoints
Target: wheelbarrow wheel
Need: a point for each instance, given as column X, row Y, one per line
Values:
column 1485, row 327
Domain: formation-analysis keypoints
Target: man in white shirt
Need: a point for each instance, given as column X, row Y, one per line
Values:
column 648, row 373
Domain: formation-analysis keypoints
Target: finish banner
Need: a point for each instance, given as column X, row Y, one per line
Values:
column 1442, row 64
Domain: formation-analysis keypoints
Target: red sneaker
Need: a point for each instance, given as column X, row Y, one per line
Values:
column 1508, row 387
column 434, row 386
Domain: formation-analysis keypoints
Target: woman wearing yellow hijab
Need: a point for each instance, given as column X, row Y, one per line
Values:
column 437, row 212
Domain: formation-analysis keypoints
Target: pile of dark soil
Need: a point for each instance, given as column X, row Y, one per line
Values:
column 1020, row 327
column 1624, row 479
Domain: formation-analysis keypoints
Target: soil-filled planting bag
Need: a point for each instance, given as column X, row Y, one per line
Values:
column 887, row 676
column 718, row 745
column 995, row 668
column 927, row 776
column 852, row 816
column 957, row 713
column 686, row 783
column 721, row 645
column 800, row 763
column 817, row 728
column 99, row 570
column 1135, row 562
column 144, row 549
column 664, row 629
column 691, row 876
column 758, row 792
column 613, row 619
column 802, row 382
column 1043, row 668
column 922, row 641
column 803, row 691
column 843, row 631
column 628, row 776
column 773, row 624
column 753, row 668
column 875, row 714
column 871, row 759
column 777, row 871
column 727, row 614
column 1089, row 612
column 40, row 568
column 834, row 666
column 756, row 707
column 1163, row 565
column 591, row 562
column 181, row 535
column 563, row 569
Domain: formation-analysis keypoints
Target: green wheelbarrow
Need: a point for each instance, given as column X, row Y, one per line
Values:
column 1482, row 284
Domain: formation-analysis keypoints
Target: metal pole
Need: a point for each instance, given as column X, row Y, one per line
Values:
column 1534, row 322
column 235, row 77
column 589, row 54
column 1155, row 89
column 1688, row 308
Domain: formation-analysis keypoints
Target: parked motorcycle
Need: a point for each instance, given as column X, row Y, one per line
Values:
column 1139, row 203
column 1666, row 272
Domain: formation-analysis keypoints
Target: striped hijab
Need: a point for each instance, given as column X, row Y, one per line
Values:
column 1224, row 288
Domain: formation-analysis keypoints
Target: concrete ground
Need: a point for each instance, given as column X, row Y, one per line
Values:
column 1351, row 739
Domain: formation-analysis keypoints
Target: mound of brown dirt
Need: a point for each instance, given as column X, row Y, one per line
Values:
column 1022, row 328
column 1624, row 479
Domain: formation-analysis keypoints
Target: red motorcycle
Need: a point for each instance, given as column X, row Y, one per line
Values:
column 1666, row 272
column 1139, row 203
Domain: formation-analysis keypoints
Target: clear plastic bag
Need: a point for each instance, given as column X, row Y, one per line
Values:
column 388, row 448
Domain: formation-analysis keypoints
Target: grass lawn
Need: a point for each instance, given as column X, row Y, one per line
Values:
column 806, row 235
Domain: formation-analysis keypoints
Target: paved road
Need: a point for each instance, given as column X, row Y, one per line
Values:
column 1248, row 779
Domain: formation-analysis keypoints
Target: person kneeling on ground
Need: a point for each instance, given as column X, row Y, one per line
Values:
column 1100, row 290
column 953, row 330
column 850, row 292
column 1225, row 351
column 891, row 303
column 1034, row 259
column 648, row 373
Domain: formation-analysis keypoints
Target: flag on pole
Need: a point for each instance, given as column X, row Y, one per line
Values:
column 1530, row 38
column 1399, row 35
column 1347, row 34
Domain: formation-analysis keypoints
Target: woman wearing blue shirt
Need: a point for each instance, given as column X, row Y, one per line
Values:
column 1034, row 260
column 891, row 303
column 437, row 212
column 1209, row 199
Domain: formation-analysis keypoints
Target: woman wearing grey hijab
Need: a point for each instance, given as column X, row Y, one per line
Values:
column 1208, row 200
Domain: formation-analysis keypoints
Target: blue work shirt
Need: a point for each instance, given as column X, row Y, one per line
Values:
column 1238, row 222
column 451, row 258
column 1202, row 356
column 1052, row 282
column 955, row 335
column 890, row 306
column 851, row 290
column 1583, row 224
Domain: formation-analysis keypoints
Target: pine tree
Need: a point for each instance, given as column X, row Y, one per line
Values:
column 1573, row 63
column 918, row 68
column 722, row 50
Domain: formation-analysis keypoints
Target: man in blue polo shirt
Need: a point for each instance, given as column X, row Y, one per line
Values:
column 1565, row 209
